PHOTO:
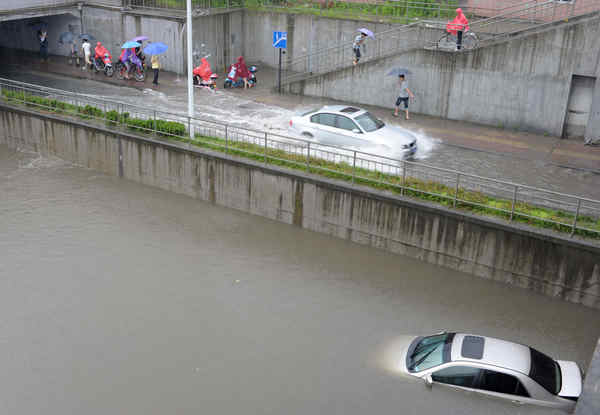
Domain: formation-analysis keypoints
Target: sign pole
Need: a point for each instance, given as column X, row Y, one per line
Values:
column 190, row 66
column 279, row 73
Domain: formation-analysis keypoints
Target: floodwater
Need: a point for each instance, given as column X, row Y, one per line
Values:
column 117, row 298
column 238, row 110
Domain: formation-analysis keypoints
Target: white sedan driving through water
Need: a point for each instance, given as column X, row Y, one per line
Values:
column 347, row 126
column 493, row 367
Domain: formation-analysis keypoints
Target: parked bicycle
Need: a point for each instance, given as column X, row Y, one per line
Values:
column 448, row 41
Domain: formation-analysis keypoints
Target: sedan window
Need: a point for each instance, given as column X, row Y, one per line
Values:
column 464, row 376
column 368, row 122
column 324, row 119
column 502, row 383
column 345, row 123
column 427, row 352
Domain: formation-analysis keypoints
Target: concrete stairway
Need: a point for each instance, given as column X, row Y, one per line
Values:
column 530, row 18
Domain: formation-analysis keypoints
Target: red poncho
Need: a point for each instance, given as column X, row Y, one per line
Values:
column 460, row 22
column 242, row 70
column 203, row 71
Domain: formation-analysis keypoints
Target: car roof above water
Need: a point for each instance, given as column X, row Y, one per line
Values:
column 496, row 352
column 347, row 110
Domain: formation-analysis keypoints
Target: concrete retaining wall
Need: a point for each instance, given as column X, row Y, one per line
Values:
column 539, row 261
column 521, row 84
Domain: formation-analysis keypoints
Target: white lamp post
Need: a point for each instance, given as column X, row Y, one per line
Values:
column 190, row 67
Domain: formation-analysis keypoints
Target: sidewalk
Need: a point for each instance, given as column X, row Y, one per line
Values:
column 514, row 144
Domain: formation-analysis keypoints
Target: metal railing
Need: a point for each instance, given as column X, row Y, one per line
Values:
column 508, row 21
column 181, row 4
column 510, row 200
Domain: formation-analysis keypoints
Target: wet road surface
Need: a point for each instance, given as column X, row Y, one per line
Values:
column 243, row 109
column 117, row 298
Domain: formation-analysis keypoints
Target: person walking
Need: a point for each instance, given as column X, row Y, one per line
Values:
column 403, row 97
column 358, row 42
column 43, row 38
column 87, row 53
column 457, row 27
column 155, row 67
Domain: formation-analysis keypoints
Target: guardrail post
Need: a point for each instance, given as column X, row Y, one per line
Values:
column 353, row 166
column 456, row 189
column 576, row 217
column 308, row 158
column 265, row 147
column 189, row 131
column 403, row 177
column 155, row 126
column 226, row 140
column 514, row 202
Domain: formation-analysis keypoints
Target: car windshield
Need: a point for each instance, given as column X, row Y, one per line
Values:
column 368, row 122
column 309, row 112
column 545, row 371
column 429, row 352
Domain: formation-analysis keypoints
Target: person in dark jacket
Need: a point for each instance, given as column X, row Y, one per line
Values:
column 43, row 38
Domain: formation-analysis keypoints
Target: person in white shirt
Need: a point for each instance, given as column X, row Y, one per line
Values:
column 87, row 53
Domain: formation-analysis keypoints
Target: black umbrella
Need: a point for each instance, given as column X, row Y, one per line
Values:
column 86, row 36
column 399, row 71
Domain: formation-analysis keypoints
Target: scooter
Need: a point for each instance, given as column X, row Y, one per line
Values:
column 204, row 76
column 138, row 73
column 104, row 65
column 211, row 83
column 230, row 82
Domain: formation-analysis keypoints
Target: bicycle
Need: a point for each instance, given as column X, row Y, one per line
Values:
column 448, row 41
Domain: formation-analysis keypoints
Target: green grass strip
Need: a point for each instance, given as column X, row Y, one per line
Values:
column 431, row 191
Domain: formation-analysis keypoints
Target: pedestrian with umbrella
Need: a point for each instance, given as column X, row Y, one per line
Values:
column 359, row 41
column 155, row 49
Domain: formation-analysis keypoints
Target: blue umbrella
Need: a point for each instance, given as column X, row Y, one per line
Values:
column 38, row 25
column 130, row 44
column 367, row 32
column 155, row 48
column 399, row 71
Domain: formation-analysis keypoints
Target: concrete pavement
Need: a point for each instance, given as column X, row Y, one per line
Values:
column 514, row 144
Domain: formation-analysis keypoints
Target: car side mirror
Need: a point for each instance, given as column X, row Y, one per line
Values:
column 356, row 131
column 428, row 381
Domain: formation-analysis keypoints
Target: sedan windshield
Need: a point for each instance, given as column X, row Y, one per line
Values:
column 545, row 371
column 368, row 122
column 429, row 352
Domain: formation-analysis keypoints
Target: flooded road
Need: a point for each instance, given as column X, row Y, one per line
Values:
column 237, row 109
column 116, row 298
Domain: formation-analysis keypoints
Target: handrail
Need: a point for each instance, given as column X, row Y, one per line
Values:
column 516, row 194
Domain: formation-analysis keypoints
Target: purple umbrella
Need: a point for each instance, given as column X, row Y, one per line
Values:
column 367, row 32
column 139, row 38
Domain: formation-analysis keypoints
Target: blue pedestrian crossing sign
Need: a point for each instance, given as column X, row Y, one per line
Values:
column 280, row 40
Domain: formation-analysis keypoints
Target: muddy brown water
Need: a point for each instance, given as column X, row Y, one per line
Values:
column 117, row 298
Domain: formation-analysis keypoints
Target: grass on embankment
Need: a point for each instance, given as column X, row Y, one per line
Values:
column 431, row 191
column 399, row 11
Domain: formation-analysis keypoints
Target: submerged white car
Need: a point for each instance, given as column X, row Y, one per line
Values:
column 494, row 367
column 348, row 126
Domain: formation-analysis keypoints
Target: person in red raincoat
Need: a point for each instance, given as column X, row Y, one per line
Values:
column 457, row 26
column 203, row 71
column 100, row 51
column 242, row 71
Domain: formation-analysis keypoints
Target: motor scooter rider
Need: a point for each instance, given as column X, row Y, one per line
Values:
column 129, row 57
column 242, row 71
column 100, row 53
